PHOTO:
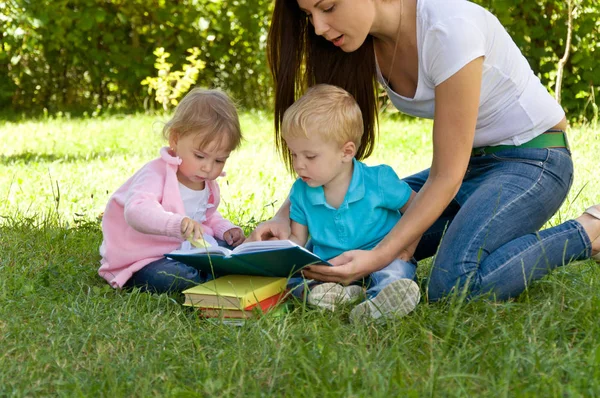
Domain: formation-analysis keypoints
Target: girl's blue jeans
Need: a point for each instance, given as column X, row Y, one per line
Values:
column 488, row 239
column 168, row 276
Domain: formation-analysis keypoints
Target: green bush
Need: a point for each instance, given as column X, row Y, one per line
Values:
column 171, row 85
column 92, row 55
column 539, row 28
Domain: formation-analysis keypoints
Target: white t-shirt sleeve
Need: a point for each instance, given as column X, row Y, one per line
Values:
column 449, row 46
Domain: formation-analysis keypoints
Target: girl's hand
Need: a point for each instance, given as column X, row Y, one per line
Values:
column 347, row 267
column 234, row 237
column 191, row 229
column 273, row 229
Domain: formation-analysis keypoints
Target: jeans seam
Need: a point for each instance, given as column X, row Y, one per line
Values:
column 478, row 267
column 558, row 152
column 584, row 236
column 523, row 252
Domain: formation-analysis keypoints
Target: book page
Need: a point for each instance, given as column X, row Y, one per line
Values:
column 263, row 246
column 214, row 250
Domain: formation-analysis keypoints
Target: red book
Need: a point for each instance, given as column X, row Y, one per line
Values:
column 249, row 312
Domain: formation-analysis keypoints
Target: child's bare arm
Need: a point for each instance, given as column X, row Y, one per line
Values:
column 408, row 202
column 299, row 233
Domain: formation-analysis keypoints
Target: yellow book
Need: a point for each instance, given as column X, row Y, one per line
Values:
column 234, row 291
column 267, row 305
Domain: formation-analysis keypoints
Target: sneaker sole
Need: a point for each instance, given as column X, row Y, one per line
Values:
column 397, row 299
column 330, row 295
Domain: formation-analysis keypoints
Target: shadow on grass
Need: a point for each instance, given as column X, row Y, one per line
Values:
column 30, row 157
column 13, row 116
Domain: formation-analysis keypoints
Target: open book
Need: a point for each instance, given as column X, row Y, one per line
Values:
column 281, row 258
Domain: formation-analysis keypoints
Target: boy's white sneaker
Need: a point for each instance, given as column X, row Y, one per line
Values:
column 332, row 295
column 395, row 300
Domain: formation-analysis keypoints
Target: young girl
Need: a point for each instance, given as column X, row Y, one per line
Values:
column 172, row 199
column 344, row 204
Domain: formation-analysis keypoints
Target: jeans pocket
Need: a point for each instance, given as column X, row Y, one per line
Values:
column 560, row 167
column 534, row 156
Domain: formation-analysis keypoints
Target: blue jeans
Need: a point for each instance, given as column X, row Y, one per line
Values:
column 376, row 281
column 168, row 276
column 398, row 269
column 487, row 239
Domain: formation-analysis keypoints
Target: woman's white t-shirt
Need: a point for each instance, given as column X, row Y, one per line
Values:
column 195, row 204
column 514, row 106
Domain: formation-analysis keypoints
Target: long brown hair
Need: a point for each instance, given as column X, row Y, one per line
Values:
column 299, row 58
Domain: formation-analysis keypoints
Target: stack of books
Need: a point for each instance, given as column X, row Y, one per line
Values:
column 236, row 296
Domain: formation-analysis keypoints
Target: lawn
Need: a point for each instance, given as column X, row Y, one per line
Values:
column 64, row 331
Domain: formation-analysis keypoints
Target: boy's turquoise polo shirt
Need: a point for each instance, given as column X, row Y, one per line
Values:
column 369, row 211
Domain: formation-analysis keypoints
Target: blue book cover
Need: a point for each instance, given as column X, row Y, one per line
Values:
column 281, row 258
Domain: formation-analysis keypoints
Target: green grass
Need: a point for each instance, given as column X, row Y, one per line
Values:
column 64, row 331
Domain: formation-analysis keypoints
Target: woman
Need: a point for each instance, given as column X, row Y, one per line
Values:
column 501, row 165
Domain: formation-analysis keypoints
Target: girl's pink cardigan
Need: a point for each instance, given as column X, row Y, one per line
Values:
column 142, row 220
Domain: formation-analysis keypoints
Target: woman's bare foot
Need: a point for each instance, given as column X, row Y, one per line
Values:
column 590, row 220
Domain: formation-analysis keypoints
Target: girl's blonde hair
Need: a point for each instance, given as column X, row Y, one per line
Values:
column 327, row 111
column 209, row 113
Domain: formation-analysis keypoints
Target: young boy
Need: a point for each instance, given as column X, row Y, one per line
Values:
column 343, row 204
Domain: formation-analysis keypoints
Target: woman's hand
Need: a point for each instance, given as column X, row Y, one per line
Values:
column 234, row 237
column 408, row 253
column 276, row 228
column 347, row 267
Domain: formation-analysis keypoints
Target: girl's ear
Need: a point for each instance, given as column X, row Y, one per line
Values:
column 173, row 138
column 349, row 151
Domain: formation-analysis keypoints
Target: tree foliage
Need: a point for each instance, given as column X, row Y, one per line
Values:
column 170, row 85
column 93, row 54
column 539, row 28
column 82, row 54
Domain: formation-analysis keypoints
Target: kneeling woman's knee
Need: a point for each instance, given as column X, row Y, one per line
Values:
column 441, row 284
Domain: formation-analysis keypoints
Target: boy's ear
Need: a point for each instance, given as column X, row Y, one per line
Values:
column 349, row 150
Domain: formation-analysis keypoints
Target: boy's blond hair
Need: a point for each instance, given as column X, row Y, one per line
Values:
column 326, row 110
column 209, row 113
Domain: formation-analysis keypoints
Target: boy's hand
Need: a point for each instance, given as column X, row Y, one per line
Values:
column 191, row 229
column 234, row 237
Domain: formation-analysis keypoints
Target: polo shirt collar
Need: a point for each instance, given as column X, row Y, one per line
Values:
column 356, row 189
